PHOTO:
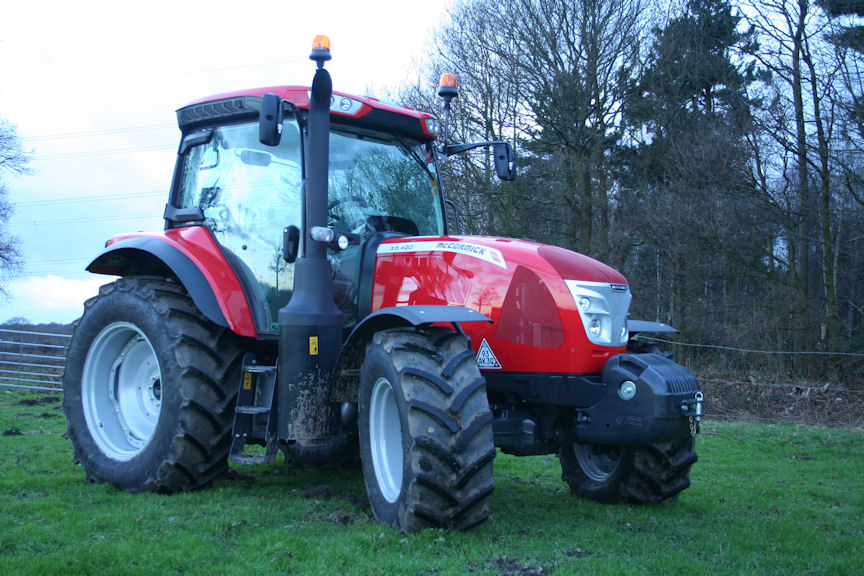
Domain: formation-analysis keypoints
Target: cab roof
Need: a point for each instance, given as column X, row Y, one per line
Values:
column 344, row 108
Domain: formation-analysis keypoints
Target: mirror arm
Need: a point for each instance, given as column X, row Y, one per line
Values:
column 454, row 149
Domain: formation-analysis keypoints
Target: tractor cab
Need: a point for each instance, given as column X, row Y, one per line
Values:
column 381, row 179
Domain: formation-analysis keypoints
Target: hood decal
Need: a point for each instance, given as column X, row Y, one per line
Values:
column 491, row 255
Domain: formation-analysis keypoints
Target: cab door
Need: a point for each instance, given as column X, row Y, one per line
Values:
column 247, row 193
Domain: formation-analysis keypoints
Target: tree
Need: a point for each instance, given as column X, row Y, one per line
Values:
column 846, row 35
column 15, row 161
column 572, row 59
column 468, row 44
column 546, row 75
column 722, row 175
column 850, row 35
column 802, row 119
column 685, row 163
column 848, row 42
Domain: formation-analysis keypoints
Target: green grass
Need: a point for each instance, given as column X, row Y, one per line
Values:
column 764, row 500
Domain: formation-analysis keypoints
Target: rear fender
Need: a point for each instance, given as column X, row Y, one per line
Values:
column 346, row 378
column 203, row 271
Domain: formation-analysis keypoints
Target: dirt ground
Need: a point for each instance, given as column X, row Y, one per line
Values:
column 825, row 404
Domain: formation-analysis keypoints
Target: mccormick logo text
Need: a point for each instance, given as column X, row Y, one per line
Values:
column 491, row 255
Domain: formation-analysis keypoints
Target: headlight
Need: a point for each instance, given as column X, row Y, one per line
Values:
column 603, row 308
column 585, row 304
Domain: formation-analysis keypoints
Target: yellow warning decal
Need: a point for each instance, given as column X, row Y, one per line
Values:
column 313, row 345
column 247, row 381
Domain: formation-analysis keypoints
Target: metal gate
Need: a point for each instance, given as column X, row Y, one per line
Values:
column 30, row 359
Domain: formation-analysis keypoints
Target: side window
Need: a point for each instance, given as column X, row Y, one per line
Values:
column 249, row 193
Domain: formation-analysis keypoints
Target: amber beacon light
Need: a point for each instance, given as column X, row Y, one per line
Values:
column 320, row 48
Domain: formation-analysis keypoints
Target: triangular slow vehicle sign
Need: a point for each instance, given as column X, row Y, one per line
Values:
column 486, row 359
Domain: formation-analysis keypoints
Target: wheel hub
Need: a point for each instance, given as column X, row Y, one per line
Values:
column 598, row 463
column 121, row 389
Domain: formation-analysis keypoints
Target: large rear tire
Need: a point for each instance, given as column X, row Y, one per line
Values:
column 640, row 474
column 425, row 431
column 149, row 388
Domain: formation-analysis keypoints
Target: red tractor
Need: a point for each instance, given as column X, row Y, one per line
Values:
column 306, row 295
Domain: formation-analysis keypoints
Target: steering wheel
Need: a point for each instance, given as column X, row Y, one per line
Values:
column 359, row 200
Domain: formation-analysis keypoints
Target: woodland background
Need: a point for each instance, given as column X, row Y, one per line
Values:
column 712, row 151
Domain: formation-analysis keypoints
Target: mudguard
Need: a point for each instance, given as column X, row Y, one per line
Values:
column 647, row 326
column 193, row 257
column 346, row 375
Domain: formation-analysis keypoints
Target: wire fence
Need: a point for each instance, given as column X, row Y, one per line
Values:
column 36, row 360
column 32, row 360
column 763, row 385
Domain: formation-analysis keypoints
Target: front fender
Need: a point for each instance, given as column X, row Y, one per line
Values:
column 650, row 327
column 192, row 256
column 347, row 374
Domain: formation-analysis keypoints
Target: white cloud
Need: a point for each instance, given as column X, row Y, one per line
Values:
column 46, row 299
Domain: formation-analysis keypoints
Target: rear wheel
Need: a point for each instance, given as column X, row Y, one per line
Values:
column 640, row 474
column 148, row 388
column 425, row 431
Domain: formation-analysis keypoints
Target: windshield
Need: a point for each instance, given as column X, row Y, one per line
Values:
column 375, row 176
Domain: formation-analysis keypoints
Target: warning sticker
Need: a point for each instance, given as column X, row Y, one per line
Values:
column 486, row 359
column 491, row 255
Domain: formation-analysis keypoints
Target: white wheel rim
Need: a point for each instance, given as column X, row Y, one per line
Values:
column 121, row 391
column 385, row 439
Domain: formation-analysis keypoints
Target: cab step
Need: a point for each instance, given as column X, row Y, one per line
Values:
column 254, row 417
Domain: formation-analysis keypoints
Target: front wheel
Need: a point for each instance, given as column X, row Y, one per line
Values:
column 638, row 474
column 147, row 390
column 425, row 431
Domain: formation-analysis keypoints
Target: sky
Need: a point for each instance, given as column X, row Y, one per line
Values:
column 93, row 87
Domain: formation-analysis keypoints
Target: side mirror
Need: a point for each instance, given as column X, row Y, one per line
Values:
column 290, row 243
column 270, row 120
column 505, row 167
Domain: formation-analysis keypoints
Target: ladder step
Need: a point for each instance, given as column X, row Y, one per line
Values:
column 252, row 409
column 246, row 459
column 254, row 421
column 255, row 369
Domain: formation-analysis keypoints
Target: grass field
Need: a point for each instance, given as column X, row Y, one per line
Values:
column 764, row 500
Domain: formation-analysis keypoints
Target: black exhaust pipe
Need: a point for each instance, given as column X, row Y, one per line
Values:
column 310, row 325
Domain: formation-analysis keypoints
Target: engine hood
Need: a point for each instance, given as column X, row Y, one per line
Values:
column 506, row 253
column 527, row 288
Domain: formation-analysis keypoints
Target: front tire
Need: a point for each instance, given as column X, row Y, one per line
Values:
column 637, row 474
column 425, row 431
column 147, row 388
